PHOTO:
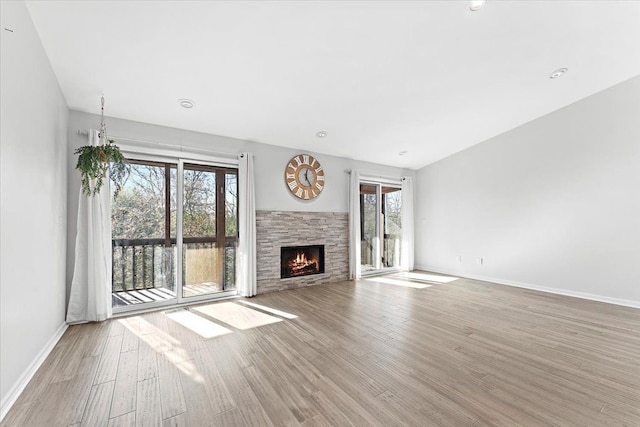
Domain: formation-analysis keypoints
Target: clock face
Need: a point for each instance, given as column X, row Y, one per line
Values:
column 304, row 177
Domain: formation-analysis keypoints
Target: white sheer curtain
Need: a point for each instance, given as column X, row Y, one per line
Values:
column 355, row 269
column 247, row 281
column 90, row 298
column 406, row 252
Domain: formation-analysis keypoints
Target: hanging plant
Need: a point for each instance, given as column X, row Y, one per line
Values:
column 93, row 163
column 95, row 160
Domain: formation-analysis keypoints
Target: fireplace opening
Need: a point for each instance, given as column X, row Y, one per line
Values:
column 298, row 261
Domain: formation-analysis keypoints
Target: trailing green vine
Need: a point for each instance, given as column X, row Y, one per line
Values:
column 93, row 163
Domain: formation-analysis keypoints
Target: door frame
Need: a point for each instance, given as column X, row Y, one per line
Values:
column 178, row 158
column 379, row 182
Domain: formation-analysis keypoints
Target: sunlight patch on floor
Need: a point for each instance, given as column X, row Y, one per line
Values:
column 236, row 315
column 427, row 277
column 269, row 309
column 161, row 342
column 397, row 282
column 198, row 324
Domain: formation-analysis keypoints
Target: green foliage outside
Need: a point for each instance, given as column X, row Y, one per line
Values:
column 139, row 213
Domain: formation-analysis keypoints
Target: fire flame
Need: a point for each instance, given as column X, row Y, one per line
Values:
column 302, row 263
column 301, row 258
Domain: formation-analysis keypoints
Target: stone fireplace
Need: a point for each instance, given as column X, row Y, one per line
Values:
column 278, row 229
column 301, row 260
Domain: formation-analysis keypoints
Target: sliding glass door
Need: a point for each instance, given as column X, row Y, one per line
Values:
column 209, row 229
column 143, row 230
column 174, row 233
column 380, row 226
column 391, row 205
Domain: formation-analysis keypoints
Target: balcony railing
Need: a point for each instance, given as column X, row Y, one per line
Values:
column 390, row 251
column 152, row 263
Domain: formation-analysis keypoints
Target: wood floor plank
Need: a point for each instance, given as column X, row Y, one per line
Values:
column 317, row 421
column 96, row 413
column 72, row 357
column 63, row 403
column 225, row 363
column 125, row 420
column 219, row 396
column 250, row 410
column 42, row 378
column 147, row 366
column 290, row 391
column 108, row 367
column 171, row 394
column 232, row 418
column 199, row 406
column 148, row 409
column 130, row 341
column 330, row 411
column 179, row 420
column 18, row 414
column 364, row 353
column 277, row 410
column 124, row 394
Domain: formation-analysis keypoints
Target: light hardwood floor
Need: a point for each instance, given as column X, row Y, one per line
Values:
column 387, row 351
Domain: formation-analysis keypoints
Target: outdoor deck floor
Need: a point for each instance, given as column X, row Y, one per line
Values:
column 140, row 296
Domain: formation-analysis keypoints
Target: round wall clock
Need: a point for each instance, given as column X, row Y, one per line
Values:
column 304, row 177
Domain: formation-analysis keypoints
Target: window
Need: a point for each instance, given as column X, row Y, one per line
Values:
column 153, row 226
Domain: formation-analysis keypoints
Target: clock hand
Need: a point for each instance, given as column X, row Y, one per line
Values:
column 306, row 176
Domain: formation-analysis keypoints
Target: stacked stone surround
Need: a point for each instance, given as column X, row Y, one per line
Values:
column 287, row 228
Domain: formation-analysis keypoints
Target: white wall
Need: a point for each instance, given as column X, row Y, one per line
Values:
column 33, row 153
column 269, row 163
column 554, row 203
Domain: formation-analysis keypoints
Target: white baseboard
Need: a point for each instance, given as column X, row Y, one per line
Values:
column 558, row 291
column 12, row 395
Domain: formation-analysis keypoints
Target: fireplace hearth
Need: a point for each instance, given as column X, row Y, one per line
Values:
column 296, row 261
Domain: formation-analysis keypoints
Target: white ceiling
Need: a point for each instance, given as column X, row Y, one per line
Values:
column 380, row 77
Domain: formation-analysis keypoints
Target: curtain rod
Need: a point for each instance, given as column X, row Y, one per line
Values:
column 163, row 145
column 375, row 175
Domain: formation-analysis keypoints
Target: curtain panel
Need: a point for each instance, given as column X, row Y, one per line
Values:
column 355, row 269
column 247, row 276
column 90, row 297
column 407, row 247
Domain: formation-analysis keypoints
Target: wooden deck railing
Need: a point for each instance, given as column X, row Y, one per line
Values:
column 390, row 252
column 152, row 263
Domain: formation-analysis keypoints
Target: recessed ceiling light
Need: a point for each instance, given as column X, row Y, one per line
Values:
column 322, row 134
column 186, row 103
column 475, row 5
column 558, row 73
column 402, row 153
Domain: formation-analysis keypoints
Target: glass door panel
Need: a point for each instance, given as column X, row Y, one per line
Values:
column 369, row 227
column 380, row 226
column 230, row 229
column 200, row 255
column 209, row 223
column 144, row 237
column 392, row 226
